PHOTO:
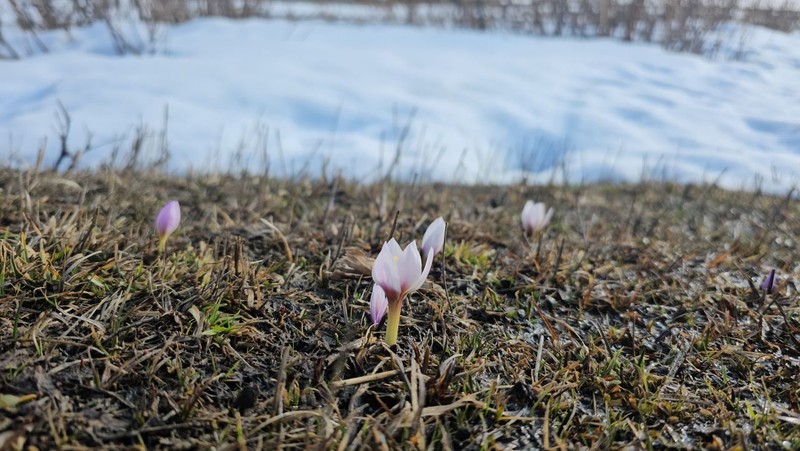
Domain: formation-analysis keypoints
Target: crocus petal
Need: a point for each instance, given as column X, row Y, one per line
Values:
column 529, row 216
column 385, row 271
column 547, row 217
column 392, row 247
column 528, row 206
column 378, row 303
column 409, row 265
column 540, row 215
column 526, row 216
column 424, row 275
column 169, row 217
column 434, row 237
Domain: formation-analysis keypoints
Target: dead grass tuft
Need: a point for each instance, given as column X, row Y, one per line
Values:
column 636, row 323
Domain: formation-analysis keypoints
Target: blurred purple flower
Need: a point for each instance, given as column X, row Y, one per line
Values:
column 168, row 219
column 768, row 284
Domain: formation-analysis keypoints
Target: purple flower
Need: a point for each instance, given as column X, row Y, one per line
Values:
column 377, row 304
column 399, row 272
column 768, row 284
column 168, row 219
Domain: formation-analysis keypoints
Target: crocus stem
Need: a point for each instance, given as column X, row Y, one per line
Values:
column 393, row 321
column 538, row 246
column 162, row 243
column 444, row 282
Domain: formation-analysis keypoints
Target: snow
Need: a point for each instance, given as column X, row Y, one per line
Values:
column 480, row 107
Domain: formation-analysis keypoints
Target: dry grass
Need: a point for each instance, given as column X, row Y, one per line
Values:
column 635, row 321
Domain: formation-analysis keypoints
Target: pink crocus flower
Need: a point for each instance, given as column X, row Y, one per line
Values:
column 168, row 219
column 399, row 272
column 377, row 304
column 534, row 217
column 434, row 237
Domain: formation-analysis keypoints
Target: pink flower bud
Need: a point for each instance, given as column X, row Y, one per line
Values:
column 168, row 218
column 534, row 217
column 377, row 304
column 434, row 237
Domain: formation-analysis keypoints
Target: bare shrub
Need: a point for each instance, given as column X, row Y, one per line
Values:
column 9, row 52
column 679, row 25
column 66, row 153
column 168, row 11
column 784, row 17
